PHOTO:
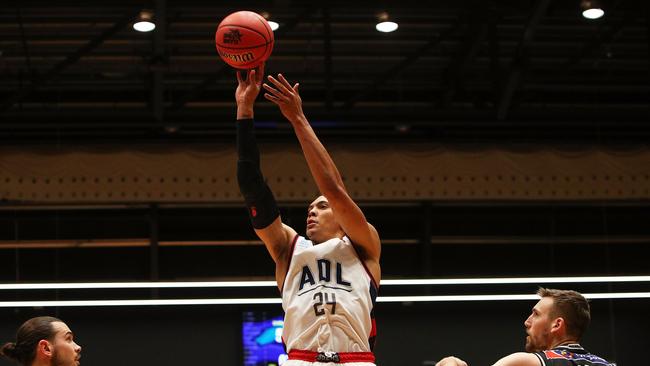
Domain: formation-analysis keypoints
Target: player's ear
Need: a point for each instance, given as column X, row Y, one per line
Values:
column 44, row 347
column 558, row 324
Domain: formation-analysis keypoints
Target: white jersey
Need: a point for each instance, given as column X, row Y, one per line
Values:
column 328, row 296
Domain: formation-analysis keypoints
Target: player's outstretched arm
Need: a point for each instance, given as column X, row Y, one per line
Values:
column 262, row 208
column 325, row 173
column 519, row 359
column 451, row 361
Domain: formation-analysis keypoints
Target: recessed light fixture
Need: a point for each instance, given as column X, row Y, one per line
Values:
column 274, row 25
column 385, row 24
column 591, row 9
column 144, row 23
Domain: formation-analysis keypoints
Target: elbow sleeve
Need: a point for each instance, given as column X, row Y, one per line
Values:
column 260, row 202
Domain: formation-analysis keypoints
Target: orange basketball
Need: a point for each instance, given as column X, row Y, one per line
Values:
column 244, row 39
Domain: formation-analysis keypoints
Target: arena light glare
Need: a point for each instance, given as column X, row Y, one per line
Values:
column 516, row 280
column 403, row 282
column 129, row 285
column 510, row 297
column 257, row 301
column 144, row 23
column 262, row 301
column 155, row 302
column 274, row 25
column 591, row 9
column 385, row 24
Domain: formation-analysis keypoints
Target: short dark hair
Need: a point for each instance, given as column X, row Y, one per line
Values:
column 571, row 306
column 27, row 337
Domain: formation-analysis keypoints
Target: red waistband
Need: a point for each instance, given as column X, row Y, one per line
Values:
column 336, row 357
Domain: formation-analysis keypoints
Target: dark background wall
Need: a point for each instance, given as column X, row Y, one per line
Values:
column 467, row 240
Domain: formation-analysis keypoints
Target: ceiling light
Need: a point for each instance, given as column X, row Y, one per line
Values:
column 274, row 25
column 277, row 300
column 274, row 300
column 591, row 9
column 396, row 282
column 144, row 23
column 508, row 297
column 384, row 24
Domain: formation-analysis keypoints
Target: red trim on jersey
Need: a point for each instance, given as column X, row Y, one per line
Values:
column 372, row 278
column 553, row 354
column 373, row 329
column 293, row 246
column 344, row 357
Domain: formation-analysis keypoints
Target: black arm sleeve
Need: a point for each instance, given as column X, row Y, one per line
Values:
column 261, row 205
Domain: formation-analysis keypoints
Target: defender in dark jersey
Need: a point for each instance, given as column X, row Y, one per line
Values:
column 570, row 355
column 554, row 329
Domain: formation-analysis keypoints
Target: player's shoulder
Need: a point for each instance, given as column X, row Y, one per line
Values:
column 302, row 242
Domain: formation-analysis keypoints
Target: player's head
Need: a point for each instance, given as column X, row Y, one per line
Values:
column 321, row 224
column 43, row 340
column 560, row 315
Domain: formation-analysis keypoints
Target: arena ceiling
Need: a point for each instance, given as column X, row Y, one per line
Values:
column 469, row 71
column 487, row 72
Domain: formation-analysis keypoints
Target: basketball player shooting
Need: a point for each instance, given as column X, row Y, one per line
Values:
column 328, row 280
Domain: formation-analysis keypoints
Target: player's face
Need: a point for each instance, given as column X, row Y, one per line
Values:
column 538, row 326
column 321, row 224
column 65, row 351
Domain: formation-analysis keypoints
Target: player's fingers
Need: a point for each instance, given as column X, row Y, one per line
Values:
column 284, row 82
column 239, row 79
column 260, row 73
column 272, row 98
column 280, row 86
column 276, row 93
column 251, row 76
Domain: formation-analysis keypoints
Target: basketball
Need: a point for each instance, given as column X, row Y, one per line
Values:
column 244, row 39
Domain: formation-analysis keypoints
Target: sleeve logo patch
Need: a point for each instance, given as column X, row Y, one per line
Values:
column 554, row 355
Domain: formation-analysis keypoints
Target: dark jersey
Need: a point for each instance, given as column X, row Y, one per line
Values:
column 570, row 355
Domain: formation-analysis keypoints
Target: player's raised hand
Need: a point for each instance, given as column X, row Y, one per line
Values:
column 248, row 89
column 287, row 97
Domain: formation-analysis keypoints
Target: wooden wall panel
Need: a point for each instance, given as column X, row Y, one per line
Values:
column 371, row 172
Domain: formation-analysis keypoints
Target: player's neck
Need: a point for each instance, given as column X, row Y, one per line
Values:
column 336, row 235
column 564, row 341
